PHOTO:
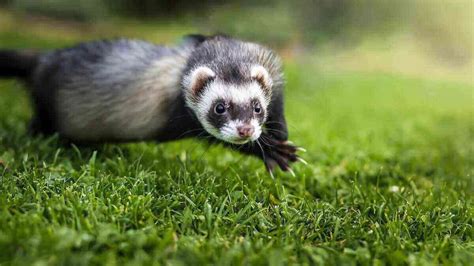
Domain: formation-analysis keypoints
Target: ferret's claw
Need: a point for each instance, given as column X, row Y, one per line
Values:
column 301, row 149
column 271, row 174
column 291, row 172
column 302, row 161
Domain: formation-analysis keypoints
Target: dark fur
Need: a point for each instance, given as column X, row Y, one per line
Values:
column 17, row 64
column 209, row 55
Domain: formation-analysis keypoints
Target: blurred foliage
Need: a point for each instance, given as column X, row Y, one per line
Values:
column 272, row 24
column 321, row 19
column 83, row 10
column 160, row 8
column 445, row 26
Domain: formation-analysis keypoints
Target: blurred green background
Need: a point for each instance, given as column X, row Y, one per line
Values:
column 415, row 37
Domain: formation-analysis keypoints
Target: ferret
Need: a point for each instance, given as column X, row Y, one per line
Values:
column 211, row 87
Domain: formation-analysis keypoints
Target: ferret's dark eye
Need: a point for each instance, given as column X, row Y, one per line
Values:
column 219, row 109
column 257, row 108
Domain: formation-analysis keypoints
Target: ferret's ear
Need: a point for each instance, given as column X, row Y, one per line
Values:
column 260, row 74
column 198, row 78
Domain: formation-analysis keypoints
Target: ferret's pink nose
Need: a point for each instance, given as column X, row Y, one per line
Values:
column 245, row 131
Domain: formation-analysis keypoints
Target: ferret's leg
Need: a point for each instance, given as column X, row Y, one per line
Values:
column 40, row 126
column 273, row 152
column 44, row 120
column 34, row 128
column 275, row 125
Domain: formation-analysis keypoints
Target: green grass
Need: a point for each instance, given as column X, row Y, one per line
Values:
column 389, row 181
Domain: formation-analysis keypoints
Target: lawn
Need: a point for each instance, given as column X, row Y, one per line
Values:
column 389, row 180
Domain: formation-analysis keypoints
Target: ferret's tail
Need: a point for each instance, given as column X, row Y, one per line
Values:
column 17, row 64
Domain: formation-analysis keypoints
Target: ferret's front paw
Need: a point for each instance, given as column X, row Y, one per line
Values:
column 280, row 153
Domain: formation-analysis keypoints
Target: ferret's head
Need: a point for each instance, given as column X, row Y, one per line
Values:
column 229, row 86
column 231, row 108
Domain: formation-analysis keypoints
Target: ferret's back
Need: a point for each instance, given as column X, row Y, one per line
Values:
column 107, row 62
column 113, row 90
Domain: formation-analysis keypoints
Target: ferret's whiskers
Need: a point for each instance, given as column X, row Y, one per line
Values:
column 190, row 131
column 266, row 143
column 274, row 122
column 199, row 144
column 281, row 123
column 176, row 118
column 275, row 130
column 261, row 148
column 205, row 151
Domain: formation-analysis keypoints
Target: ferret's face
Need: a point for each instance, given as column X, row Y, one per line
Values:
column 233, row 113
column 230, row 112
